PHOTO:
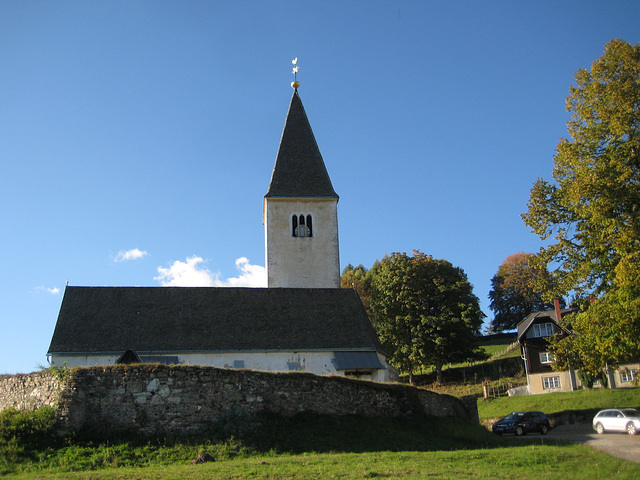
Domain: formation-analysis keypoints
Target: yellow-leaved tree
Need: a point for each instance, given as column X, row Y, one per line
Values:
column 592, row 213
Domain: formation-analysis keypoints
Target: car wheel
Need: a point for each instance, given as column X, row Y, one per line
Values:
column 631, row 428
column 599, row 428
column 544, row 429
column 519, row 430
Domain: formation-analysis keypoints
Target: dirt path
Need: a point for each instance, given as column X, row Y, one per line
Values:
column 619, row 445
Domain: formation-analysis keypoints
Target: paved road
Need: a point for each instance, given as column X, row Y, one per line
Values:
column 619, row 445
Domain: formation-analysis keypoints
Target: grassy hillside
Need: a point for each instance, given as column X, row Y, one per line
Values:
column 325, row 446
column 504, row 367
column 28, row 443
column 594, row 399
column 497, row 345
column 523, row 461
column 304, row 447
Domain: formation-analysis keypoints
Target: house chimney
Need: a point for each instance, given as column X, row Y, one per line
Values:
column 556, row 305
column 592, row 299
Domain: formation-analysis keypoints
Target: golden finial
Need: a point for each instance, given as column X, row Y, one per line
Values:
column 295, row 84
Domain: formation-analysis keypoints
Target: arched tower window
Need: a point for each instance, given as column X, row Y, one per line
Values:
column 301, row 225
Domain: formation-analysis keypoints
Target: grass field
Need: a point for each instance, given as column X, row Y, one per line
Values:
column 498, row 346
column 503, row 367
column 494, row 347
column 311, row 446
column 306, row 446
column 531, row 461
column 593, row 399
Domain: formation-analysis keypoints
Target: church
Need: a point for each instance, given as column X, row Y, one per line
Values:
column 302, row 321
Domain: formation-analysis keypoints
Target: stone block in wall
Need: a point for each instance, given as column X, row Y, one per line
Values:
column 30, row 391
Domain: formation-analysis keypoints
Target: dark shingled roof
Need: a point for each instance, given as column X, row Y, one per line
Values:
column 547, row 316
column 299, row 170
column 203, row 319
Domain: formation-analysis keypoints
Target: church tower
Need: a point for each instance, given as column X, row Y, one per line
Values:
column 301, row 211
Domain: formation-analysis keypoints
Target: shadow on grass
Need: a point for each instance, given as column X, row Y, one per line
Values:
column 252, row 435
column 307, row 432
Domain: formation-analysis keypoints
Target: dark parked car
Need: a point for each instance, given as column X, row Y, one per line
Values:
column 521, row 423
column 617, row 420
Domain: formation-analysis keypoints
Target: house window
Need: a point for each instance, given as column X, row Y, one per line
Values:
column 627, row 375
column 238, row 364
column 546, row 358
column 301, row 226
column 543, row 330
column 550, row 382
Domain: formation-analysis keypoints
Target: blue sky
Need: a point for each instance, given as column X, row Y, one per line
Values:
column 137, row 139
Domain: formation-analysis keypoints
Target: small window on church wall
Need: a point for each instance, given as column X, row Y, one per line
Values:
column 301, row 226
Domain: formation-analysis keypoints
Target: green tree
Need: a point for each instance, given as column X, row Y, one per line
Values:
column 426, row 313
column 358, row 278
column 517, row 291
column 592, row 211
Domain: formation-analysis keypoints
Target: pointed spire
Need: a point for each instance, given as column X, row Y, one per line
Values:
column 299, row 170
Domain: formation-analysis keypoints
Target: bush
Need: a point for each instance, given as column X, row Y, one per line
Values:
column 586, row 378
column 34, row 428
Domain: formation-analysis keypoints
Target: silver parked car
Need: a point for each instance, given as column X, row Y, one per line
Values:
column 617, row 420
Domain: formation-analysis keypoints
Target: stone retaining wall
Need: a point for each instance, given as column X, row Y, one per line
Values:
column 157, row 399
column 31, row 391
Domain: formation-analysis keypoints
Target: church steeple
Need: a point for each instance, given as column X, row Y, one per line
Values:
column 299, row 170
column 301, row 210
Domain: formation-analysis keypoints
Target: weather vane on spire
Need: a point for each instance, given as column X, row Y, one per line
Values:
column 295, row 84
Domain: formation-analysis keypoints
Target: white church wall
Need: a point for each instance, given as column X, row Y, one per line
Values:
column 319, row 363
column 316, row 362
column 302, row 262
column 71, row 361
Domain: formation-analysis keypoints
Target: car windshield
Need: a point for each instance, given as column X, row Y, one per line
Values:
column 514, row 416
column 630, row 412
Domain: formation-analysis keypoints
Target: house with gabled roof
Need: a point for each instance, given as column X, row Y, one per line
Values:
column 303, row 320
column 533, row 336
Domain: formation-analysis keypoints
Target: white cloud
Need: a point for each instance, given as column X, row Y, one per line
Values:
column 192, row 273
column 186, row 274
column 251, row 275
column 52, row 291
column 134, row 254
